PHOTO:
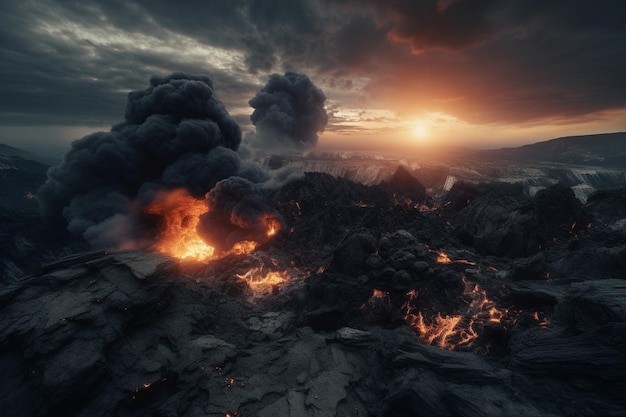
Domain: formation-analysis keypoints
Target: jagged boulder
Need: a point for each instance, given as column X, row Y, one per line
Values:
column 608, row 208
column 461, row 195
column 351, row 255
column 404, row 183
column 503, row 221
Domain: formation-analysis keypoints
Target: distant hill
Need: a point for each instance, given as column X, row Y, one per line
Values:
column 7, row 150
column 603, row 150
column 20, row 177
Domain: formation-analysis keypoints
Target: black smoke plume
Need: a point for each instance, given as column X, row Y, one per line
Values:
column 289, row 111
column 238, row 212
column 176, row 134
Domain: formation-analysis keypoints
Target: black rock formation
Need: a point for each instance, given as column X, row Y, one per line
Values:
column 500, row 220
column 406, row 184
column 142, row 334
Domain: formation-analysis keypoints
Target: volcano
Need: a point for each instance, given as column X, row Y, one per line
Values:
column 360, row 305
column 168, row 275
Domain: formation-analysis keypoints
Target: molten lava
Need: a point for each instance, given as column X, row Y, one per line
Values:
column 459, row 330
column 443, row 258
column 262, row 282
column 179, row 213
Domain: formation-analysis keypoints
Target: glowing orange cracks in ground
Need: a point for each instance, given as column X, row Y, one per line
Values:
column 261, row 282
column 458, row 330
column 180, row 213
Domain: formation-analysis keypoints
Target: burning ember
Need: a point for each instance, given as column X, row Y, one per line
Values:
column 263, row 282
column 180, row 214
column 443, row 258
column 454, row 332
column 265, row 276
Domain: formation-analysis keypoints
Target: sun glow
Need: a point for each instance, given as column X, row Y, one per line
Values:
column 420, row 131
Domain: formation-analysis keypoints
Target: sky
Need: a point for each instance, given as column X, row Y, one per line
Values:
column 396, row 74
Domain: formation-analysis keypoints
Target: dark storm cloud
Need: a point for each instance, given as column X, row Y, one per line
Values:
column 482, row 60
column 356, row 39
column 260, row 55
column 429, row 24
column 54, row 73
column 177, row 134
column 289, row 110
column 238, row 212
column 494, row 61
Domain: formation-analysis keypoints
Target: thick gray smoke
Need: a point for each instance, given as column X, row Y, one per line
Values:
column 177, row 134
column 289, row 110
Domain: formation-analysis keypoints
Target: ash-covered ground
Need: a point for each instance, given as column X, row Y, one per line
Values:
column 160, row 271
column 355, row 327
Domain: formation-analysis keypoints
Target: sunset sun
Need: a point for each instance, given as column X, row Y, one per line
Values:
column 419, row 131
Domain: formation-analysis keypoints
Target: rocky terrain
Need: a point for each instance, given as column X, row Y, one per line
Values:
column 484, row 302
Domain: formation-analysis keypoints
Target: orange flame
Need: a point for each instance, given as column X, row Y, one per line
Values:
column 180, row 213
column 244, row 247
column 380, row 294
column 272, row 225
column 541, row 319
column 454, row 331
column 263, row 283
column 443, row 258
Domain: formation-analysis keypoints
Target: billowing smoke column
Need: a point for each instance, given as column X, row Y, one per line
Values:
column 289, row 110
column 239, row 213
column 177, row 134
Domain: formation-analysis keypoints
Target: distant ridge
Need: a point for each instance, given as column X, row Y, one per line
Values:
column 12, row 151
column 601, row 150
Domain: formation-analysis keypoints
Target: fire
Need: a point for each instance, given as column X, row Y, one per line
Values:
column 261, row 282
column 443, row 258
column 541, row 319
column 272, row 225
column 380, row 294
column 180, row 213
column 458, row 330
column 446, row 332
column 244, row 247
